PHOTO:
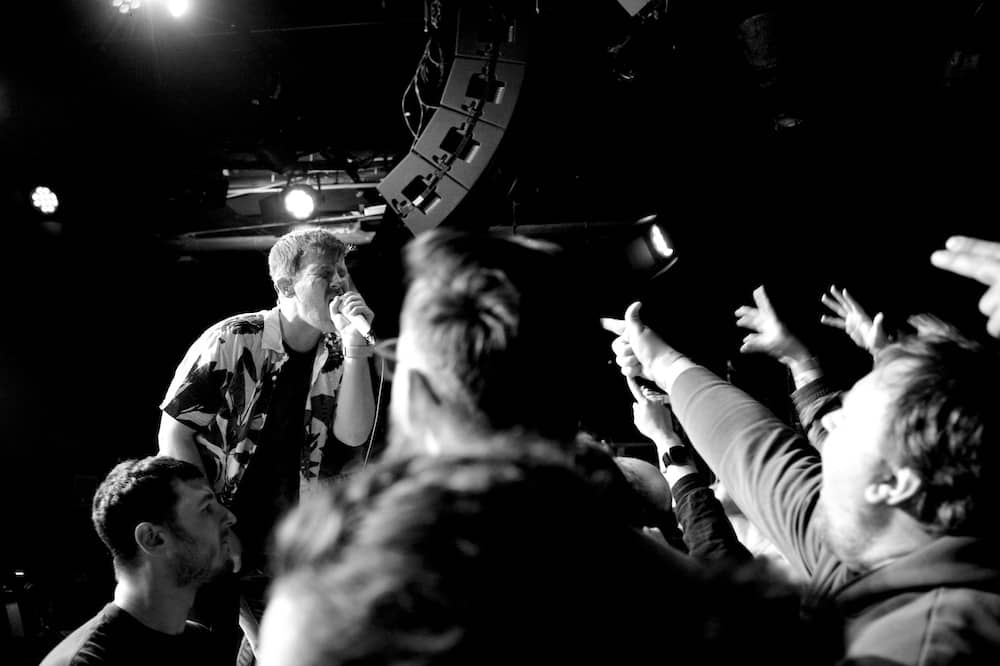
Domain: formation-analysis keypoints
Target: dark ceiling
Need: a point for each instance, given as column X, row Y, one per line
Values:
column 619, row 115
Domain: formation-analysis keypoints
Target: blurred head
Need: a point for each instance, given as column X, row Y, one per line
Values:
column 308, row 271
column 652, row 492
column 912, row 442
column 161, row 509
column 482, row 559
column 493, row 330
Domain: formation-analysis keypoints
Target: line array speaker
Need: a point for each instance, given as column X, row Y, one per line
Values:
column 461, row 138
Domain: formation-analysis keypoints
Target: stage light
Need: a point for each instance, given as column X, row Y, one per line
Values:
column 300, row 201
column 178, row 8
column 44, row 199
column 651, row 252
column 660, row 241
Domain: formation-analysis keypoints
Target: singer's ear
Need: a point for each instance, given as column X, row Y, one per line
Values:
column 284, row 287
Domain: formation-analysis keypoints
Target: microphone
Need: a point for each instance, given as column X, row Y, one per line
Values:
column 360, row 324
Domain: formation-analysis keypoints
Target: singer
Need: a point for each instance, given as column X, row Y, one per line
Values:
column 257, row 397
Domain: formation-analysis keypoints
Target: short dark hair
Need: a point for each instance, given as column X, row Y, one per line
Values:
column 136, row 491
column 500, row 321
column 945, row 425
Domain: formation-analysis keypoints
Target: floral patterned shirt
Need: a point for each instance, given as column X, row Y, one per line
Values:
column 223, row 387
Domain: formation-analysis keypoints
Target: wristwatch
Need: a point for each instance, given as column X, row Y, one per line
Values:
column 677, row 454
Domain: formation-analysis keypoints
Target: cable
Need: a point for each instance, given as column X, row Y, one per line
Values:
column 378, row 404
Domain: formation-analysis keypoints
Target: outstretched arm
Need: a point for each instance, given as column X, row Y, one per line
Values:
column 771, row 471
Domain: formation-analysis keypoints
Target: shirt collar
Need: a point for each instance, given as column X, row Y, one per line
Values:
column 272, row 340
column 272, row 331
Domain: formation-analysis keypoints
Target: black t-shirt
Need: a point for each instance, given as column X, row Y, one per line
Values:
column 115, row 637
column 270, row 484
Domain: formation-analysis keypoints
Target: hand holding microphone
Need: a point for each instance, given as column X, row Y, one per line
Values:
column 349, row 311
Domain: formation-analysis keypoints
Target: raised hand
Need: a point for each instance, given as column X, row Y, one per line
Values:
column 770, row 336
column 349, row 304
column 979, row 260
column 637, row 347
column 867, row 333
column 652, row 417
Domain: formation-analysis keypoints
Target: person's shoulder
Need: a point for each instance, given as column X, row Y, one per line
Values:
column 83, row 646
column 236, row 332
column 951, row 622
column 250, row 323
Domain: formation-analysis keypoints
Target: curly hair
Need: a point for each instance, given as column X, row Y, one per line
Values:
column 137, row 491
column 285, row 257
column 945, row 423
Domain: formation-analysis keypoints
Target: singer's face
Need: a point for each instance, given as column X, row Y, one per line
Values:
column 320, row 279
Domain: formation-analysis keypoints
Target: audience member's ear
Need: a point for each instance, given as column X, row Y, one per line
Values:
column 149, row 537
column 895, row 488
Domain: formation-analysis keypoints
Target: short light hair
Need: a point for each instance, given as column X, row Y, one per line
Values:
column 945, row 425
column 285, row 258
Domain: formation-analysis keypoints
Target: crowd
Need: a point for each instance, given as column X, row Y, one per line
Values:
column 491, row 530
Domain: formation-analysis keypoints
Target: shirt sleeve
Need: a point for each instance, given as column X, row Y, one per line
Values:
column 197, row 392
column 709, row 535
column 771, row 471
column 812, row 402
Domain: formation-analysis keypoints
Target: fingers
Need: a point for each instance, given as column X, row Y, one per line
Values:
column 989, row 305
column 621, row 347
column 632, row 315
column 993, row 325
column 654, row 397
column 616, row 326
column 747, row 317
column 853, row 304
column 976, row 246
column 835, row 306
column 835, row 322
column 750, row 344
column 761, row 299
column 636, row 390
column 982, row 268
column 352, row 303
column 625, row 358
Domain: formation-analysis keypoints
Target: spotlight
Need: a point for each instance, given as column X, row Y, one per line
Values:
column 652, row 252
column 178, row 8
column 660, row 242
column 300, row 201
column 44, row 199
